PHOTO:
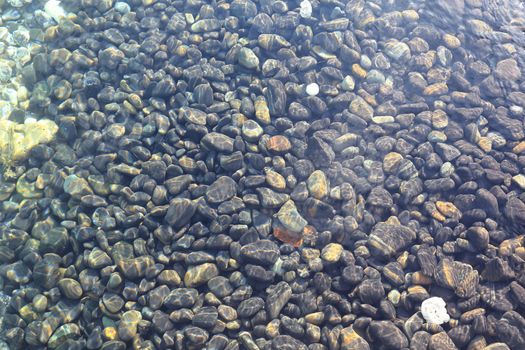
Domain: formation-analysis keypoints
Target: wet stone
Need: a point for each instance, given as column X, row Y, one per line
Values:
column 459, row 277
column 290, row 218
column 277, row 298
column 320, row 152
column 200, row 274
column 318, row 184
column 350, row 339
column 18, row 273
column 278, row 144
column 251, row 130
column 55, row 241
column 388, row 334
column 248, row 308
column 247, row 58
column 76, row 186
column 387, row 240
column 441, row 341
column 218, row 142
column 220, row 286
column 135, row 267
column 331, row 253
column 196, row 335
column 193, row 115
column 276, row 97
column 181, row 298
column 270, row 198
column 205, row 317
column 112, row 302
column 261, row 252
column 286, row 342
column 70, row 288
column 223, row 189
column 62, row 334
column 180, row 212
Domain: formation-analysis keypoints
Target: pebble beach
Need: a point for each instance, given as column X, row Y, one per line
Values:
column 262, row 174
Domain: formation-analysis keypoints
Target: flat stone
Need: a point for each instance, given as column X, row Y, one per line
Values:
column 270, row 198
column 262, row 252
column 387, row 240
column 76, row 186
column 223, row 189
column 218, row 142
column 290, row 218
column 200, row 274
column 459, row 277
column 361, row 108
column 388, row 334
column 247, row 58
column 277, row 298
column 278, row 144
column 181, row 298
column 180, row 212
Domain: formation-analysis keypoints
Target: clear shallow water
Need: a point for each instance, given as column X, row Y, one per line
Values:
column 238, row 175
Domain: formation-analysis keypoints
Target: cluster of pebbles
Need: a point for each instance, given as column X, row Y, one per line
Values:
column 200, row 196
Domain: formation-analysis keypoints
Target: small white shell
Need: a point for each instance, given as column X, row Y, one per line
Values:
column 305, row 9
column 434, row 311
column 54, row 9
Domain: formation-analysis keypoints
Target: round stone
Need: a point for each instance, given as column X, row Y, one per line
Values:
column 70, row 288
column 251, row 130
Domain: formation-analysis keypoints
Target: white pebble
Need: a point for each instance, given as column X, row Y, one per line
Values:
column 54, row 9
column 306, row 9
column 312, row 89
column 434, row 311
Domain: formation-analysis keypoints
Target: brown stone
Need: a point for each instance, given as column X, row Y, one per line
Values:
column 278, row 144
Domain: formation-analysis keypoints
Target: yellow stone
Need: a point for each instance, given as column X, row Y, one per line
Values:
column 315, row 318
column 317, row 184
column 410, row 15
column 262, row 112
column 438, row 216
column 448, row 209
column 519, row 148
column 332, row 252
column 485, row 143
column 439, row 119
column 436, row 89
column 16, row 140
column 275, row 180
column 392, row 220
column 358, row 71
column 272, row 328
column 28, row 313
column 351, row 340
column 391, row 162
column 419, row 278
column 109, row 333
column 451, row 41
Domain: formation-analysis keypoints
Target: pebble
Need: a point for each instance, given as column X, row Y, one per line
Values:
column 248, row 59
column 332, row 252
column 223, row 189
column 200, row 274
column 262, row 252
column 260, row 175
